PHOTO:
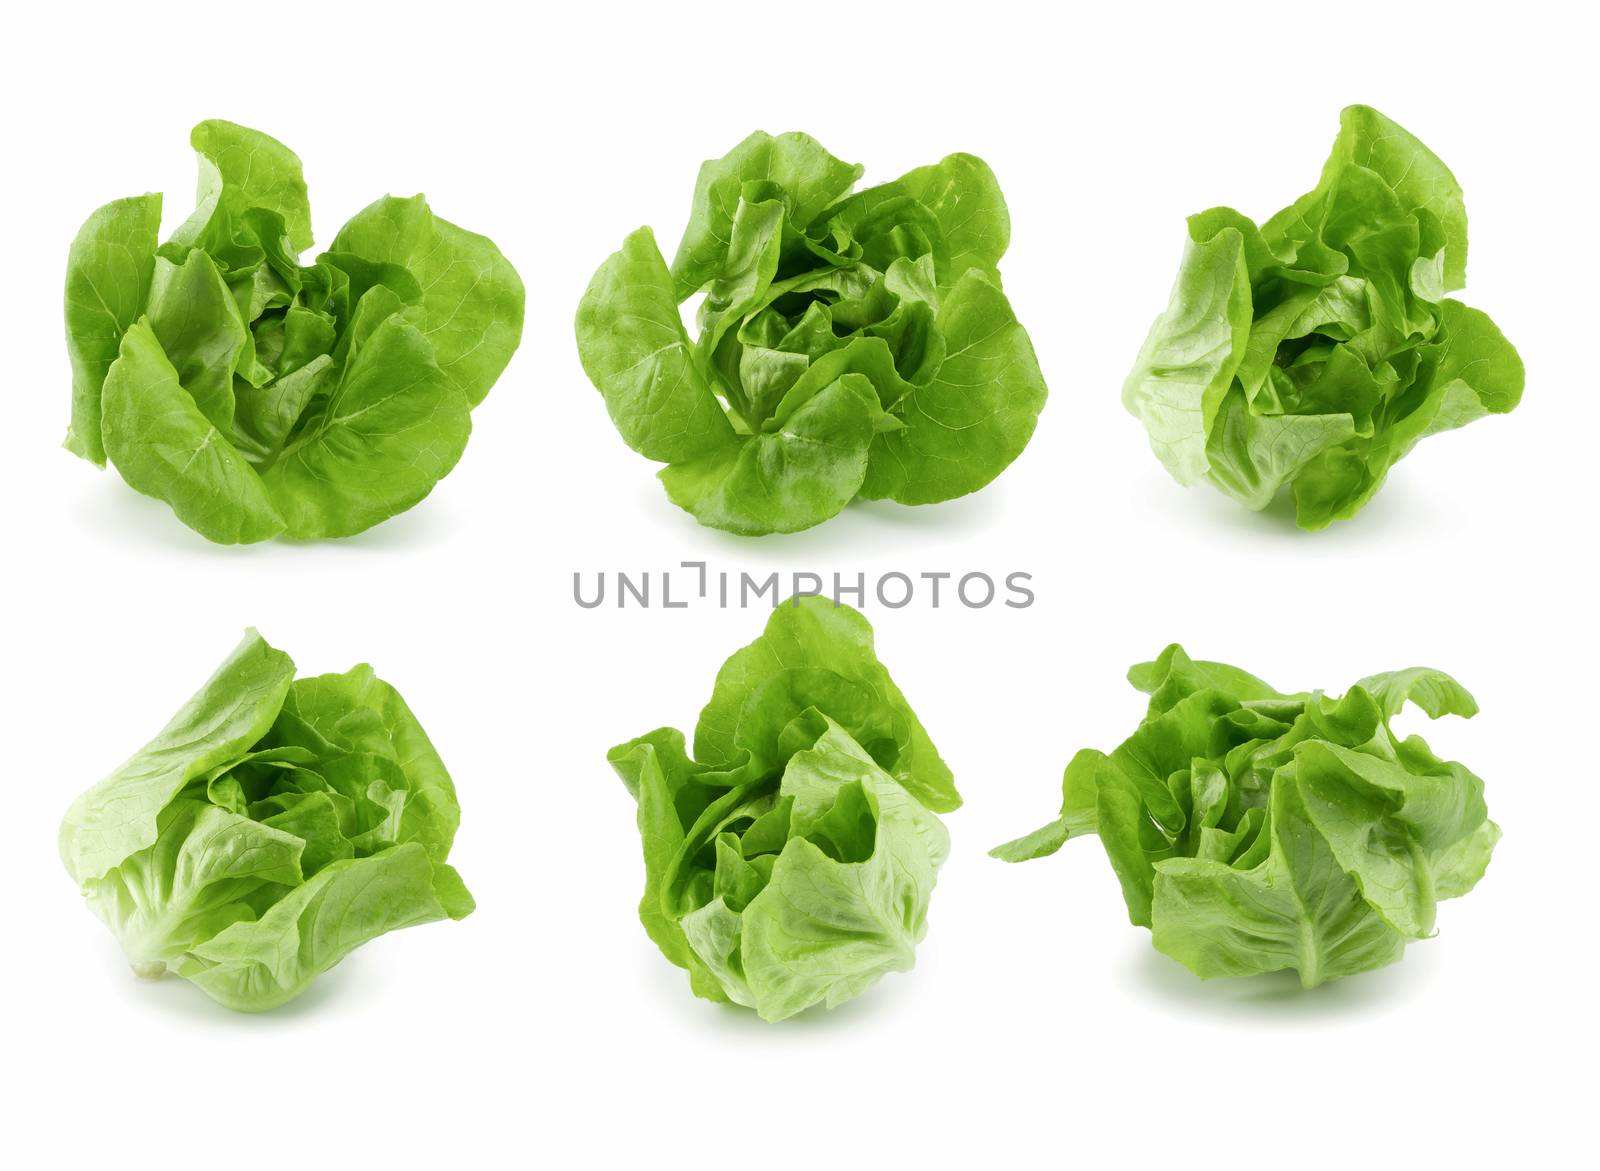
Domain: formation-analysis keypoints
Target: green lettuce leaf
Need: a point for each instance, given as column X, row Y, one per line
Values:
column 790, row 862
column 814, row 654
column 1256, row 831
column 470, row 309
column 1311, row 353
column 108, row 281
column 851, row 344
column 275, row 825
column 241, row 169
column 393, row 427
column 258, row 396
column 165, row 446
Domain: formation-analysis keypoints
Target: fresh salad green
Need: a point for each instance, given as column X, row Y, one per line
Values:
column 1314, row 351
column 1254, row 831
column 790, row 862
column 258, row 396
column 274, row 825
column 851, row 344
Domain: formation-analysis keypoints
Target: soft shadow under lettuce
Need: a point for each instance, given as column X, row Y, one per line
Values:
column 1277, row 995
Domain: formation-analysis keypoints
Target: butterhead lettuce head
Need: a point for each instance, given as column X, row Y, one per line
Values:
column 790, row 861
column 851, row 343
column 273, row 826
column 1314, row 351
column 1257, row 831
column 258, row 396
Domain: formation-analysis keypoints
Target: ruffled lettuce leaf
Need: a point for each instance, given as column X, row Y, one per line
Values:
column 815, row 654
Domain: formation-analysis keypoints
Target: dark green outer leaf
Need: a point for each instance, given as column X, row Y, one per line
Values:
column 1474, row 372
column 395, row 428
column 164, row 446
column 1080, row 812
column 965, row 199
column 1133, row 798
column 644, row 765
column 1433, row 691
column 835, row 641
column 1413, row 172
column 966, row 426
column 635, row 350
column 790, row 478
column 809, row 176
column 242, row 168
column 1475, row 357
column 361, row 713
column 472, row 299
column 1173, row 676
column 108, row 281
column 196, row 320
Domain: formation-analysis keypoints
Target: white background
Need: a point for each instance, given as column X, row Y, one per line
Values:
column 1039, row 1027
